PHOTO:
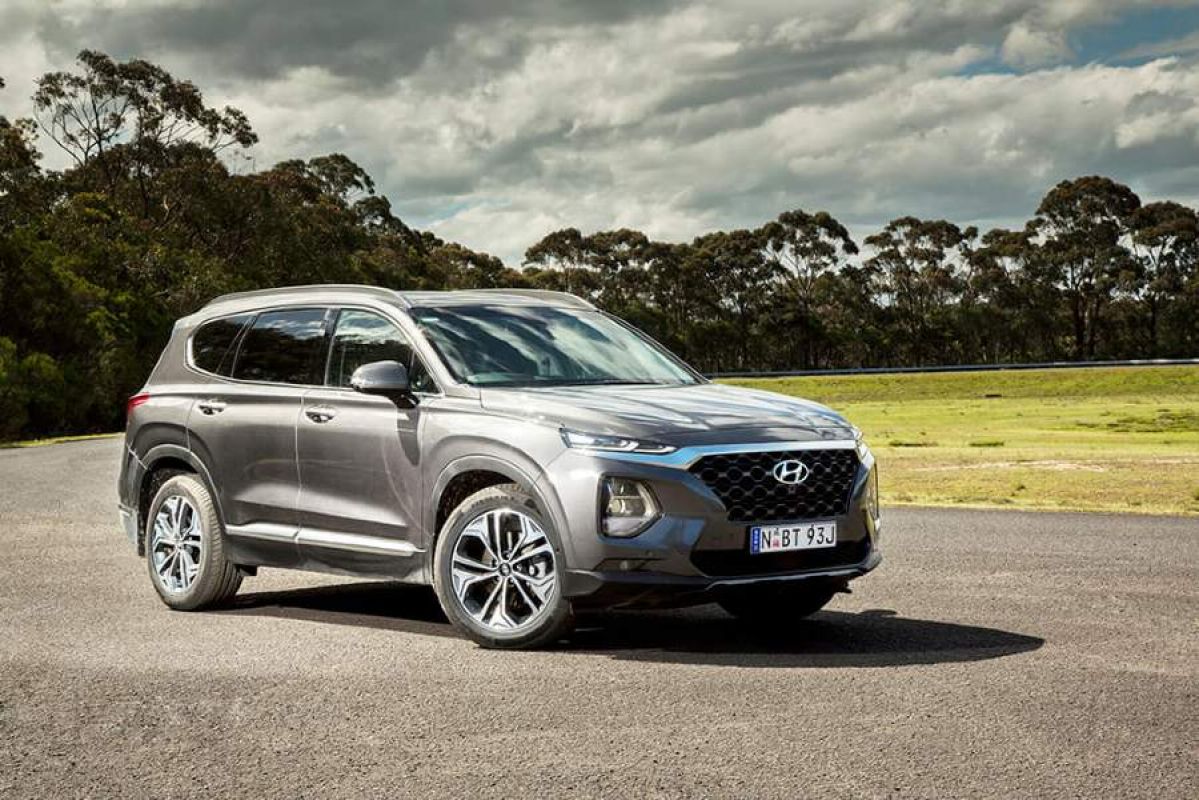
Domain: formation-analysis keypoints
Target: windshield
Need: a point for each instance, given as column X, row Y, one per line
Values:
column 544, row 346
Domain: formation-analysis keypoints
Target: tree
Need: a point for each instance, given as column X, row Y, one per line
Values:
column 133, row 102
column 807, row 248
column 20, row 176
column 1080, row 224
column 739, row 281
column 563, row 251
column 1165, row 245
column 917, row 264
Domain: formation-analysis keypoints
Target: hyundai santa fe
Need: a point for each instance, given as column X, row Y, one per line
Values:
column 523, row 452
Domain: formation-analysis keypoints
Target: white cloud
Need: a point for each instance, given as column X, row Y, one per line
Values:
column 1026, row 46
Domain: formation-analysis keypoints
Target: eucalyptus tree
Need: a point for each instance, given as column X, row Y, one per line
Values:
column 808, row 249
column 1080, row 224
column 917, row 264
column 1165, row 245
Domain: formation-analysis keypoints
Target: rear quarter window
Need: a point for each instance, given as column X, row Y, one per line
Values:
column 212, row 343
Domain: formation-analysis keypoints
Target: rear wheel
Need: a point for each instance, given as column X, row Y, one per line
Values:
column 497, row 567
column 185, row 547
column 777, row 602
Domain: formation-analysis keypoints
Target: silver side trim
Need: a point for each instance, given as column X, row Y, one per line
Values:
column 358, row 543
column 270, row 531
column 684, row 457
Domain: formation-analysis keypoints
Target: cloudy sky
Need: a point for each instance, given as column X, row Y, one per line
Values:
column 493, row 122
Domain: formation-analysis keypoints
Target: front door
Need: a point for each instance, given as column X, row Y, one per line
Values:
column 359, row 458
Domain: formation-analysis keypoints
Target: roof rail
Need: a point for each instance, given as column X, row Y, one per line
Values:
column 466, row 296
column 566, row 298
column 311, row 288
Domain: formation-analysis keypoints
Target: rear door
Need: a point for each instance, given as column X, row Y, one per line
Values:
column 243, row 425
column 359, row 456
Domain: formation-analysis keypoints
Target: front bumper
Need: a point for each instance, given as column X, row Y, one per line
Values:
column 615, row 589
column 692, row 552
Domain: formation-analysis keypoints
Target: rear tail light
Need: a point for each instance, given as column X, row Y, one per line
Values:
column 134, row 402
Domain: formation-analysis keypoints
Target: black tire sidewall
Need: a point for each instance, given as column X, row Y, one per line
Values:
column 554, row 624
column 213, row 564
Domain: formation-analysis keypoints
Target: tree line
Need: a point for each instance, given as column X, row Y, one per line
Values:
column 156, row 213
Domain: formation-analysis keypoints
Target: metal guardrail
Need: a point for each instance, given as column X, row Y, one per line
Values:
column 1148, row 362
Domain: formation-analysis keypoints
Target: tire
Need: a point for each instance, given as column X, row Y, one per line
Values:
column 513, row 600
column 215, row 579
column 777, row 603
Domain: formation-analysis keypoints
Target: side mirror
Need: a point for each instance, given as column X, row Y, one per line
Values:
column 386, row 378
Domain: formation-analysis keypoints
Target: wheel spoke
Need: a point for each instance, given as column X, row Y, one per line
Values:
column 167, row 565
column 187, row 568
column 484, row 611
column 477, row 529
column 505, row 602
column 176, row 508
column 472, row 563
column 540, row 550
column 541, row 586
column 528, row 598
column 496, row 531
column 464, row 581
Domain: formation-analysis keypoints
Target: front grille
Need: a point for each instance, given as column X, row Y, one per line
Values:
column 733, row 563
column 745, row 483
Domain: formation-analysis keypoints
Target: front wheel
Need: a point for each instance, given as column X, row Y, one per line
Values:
column 776, row 602
column 497, row 569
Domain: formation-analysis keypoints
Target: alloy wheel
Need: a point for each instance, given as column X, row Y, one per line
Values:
column 503, row 570
column 175, row 544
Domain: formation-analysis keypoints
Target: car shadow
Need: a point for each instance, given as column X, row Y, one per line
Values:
column 701, row 635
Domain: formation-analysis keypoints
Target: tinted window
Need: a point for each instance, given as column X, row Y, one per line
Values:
column 212, row 343
column 362, row 337
column 283, row 347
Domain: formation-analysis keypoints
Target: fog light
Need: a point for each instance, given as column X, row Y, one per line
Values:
column 627, row 507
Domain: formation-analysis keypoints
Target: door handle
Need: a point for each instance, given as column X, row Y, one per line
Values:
column 211, row 407
column 320, row 413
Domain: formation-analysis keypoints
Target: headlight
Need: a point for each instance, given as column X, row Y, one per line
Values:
column 872, row 495
column 627, row 507
column 860, row 445
column 613, row 444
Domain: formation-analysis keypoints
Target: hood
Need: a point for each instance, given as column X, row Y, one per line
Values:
column 689, row 414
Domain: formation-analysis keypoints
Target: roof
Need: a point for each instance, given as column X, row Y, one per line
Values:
column 334, row 292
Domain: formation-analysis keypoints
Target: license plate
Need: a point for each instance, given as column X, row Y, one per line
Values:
column 799, row 536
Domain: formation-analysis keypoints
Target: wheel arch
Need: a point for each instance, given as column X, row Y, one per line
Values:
column 173, row 459
column 469, row 474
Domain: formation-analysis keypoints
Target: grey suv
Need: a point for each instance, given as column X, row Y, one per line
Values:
column 523, row 452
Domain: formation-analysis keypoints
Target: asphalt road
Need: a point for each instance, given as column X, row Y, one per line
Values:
column 992, row 655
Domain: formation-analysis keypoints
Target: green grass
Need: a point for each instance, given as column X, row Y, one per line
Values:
column 1107, row 439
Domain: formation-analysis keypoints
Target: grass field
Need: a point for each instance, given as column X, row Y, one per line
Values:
column 1119, row 439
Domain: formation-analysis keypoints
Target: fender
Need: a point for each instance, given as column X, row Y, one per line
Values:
column 530, row 482
column 173, row 451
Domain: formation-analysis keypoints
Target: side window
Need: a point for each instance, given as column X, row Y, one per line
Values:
column 283, row 347
column 212, row 343
column 362, row 337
